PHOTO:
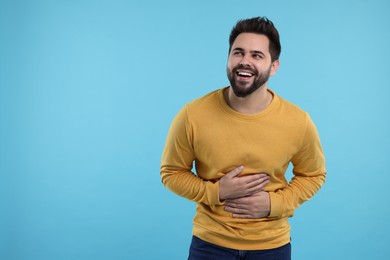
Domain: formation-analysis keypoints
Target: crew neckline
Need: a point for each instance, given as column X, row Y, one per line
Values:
column 236, row 114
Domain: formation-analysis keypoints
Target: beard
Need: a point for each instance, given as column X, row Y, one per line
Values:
column 259, row 80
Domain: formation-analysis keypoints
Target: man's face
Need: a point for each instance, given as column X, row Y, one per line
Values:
column 249, row 64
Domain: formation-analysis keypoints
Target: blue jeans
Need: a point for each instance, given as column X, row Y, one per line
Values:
column 202, row 250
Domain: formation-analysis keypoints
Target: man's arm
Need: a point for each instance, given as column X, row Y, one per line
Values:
column 176, row 170
column 176, row 165
column 309, row 175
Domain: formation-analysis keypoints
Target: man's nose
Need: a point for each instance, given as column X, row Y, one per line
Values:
column 245, row 60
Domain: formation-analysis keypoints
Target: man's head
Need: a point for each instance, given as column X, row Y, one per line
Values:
column 253, row 55
column 258, row 25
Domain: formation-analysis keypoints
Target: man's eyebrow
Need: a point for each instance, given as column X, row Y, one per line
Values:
column 253, row 52
column 258, row 52
column 238, row 49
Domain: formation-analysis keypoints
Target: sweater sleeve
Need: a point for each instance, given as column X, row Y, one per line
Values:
column 309, row 175
column 176, row 164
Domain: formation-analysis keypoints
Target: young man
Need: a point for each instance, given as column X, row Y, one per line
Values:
column 242, row 139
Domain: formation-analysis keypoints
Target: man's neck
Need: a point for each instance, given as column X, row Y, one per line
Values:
column 251, row 104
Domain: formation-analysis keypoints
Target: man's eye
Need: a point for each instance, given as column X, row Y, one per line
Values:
column 237, row 53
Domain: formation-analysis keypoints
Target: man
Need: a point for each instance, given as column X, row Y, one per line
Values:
column 242, row 139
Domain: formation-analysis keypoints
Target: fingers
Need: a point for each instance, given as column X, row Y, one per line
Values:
column 252, row 183
column 239, row 211
column 255, row 178
column 235, row 172
column 261, row 182
column 257, row 181
column 234, row 206
column 234, row 186
column 236, row 210
column 257, row 188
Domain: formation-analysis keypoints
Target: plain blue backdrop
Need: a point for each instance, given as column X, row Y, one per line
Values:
column 88, row 90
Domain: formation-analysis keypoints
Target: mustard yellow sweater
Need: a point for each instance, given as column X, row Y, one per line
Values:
column 219, row 139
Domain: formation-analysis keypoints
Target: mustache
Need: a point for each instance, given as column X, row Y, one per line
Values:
column 254, row 71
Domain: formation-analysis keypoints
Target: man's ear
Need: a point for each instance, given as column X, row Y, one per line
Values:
column 274, row 67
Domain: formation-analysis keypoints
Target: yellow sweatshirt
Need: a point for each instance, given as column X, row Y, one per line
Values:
column 218, row 139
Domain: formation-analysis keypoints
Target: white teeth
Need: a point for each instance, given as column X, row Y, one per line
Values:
column 244, row 74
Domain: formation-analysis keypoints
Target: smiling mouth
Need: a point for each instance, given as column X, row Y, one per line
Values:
column 244, row 74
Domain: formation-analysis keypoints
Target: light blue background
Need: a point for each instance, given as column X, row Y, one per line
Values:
column 88, row 90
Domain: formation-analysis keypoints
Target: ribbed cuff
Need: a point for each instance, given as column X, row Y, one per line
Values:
column 276, row 205
column 212, row 190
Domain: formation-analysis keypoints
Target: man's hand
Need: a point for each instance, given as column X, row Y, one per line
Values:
column 255, row 206
column 231, row 186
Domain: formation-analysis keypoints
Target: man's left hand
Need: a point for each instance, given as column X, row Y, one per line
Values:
column 257, row 205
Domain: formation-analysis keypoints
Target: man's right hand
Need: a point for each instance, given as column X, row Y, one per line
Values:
column 232, row 186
